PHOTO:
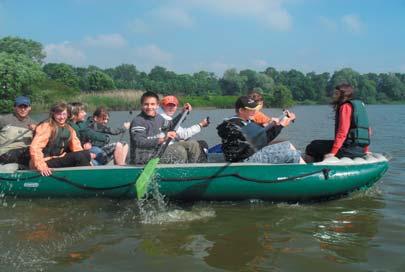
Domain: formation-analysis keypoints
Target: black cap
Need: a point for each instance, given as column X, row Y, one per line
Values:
column 246, row 102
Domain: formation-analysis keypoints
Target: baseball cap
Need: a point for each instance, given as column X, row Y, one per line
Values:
column 170, row 99
column 247, row 103
column 22, row 100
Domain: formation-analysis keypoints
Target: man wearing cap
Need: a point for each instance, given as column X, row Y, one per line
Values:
column 183, row 149
column 237, row 146
column 16, row 133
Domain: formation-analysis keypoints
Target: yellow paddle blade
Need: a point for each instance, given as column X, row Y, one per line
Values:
column 145, row 177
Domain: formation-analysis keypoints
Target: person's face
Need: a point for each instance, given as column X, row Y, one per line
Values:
column 246, row 114
column 336, row 94
column 60, row 117
column 260, row 105
column 149, row 106
column 22, row 111
column 103, row 120
column 81, row 115
column 170, row 109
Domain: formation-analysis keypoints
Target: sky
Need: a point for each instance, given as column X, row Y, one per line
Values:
column 188, row 36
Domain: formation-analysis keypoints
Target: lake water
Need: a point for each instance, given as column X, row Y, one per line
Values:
column 361, row 232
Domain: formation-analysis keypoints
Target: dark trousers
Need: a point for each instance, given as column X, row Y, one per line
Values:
column 20, row 156
column 71, row 159
column 318, row 148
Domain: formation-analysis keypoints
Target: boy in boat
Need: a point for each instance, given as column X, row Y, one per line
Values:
column 77, row 116
column 149, row 130
column 182, row 148
column 260, row 118
column 236, row 146
column 116, row 150
column 16, row 133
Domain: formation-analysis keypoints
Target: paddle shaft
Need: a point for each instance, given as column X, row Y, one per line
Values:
column 15, row 139
column 163, row 147
column 144, row 178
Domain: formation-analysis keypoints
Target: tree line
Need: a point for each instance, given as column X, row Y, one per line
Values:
column 23, row 72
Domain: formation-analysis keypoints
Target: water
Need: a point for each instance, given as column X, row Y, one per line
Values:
column 362, row 232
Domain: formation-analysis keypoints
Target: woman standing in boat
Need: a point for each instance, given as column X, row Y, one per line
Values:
column 55, row 144
column 352, row 136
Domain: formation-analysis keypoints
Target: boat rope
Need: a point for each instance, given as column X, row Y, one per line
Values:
column 75, row 184
column 324, row 171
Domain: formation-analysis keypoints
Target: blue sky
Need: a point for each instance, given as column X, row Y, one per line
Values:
column 187, row 36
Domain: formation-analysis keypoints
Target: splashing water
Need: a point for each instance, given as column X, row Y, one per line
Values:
column 155, row 209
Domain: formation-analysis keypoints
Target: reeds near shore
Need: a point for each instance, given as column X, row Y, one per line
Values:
column 112, row 100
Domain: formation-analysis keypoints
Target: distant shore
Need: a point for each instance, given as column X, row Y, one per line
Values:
column 124, row 100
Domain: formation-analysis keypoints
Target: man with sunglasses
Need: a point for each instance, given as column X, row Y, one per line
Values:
column 16, row 133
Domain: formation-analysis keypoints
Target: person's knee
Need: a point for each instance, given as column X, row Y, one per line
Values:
column 118, row 146
column 83, row 158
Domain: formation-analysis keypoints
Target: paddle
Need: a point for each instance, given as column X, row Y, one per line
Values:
column 15, row 139
column 144, row 178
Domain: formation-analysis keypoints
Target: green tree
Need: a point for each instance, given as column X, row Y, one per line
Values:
column 206, row 83
column 15, row 45
column 282, row 97
column 232, row 83
column 392, row 86
column 366, row 90
column 62, row 73
column 319, row 83
column 257, row 80
column 345, row 75
column 98, row 80
column 125, row 76
column 18, row 74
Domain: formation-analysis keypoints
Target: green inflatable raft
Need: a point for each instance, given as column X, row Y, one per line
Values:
column 208, row 181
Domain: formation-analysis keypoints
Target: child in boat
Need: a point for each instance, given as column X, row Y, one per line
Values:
column 117, row 150
column 182, row 148
column 77, row 115
column 352, row 132
column 55, row 144
column 259, row 117
column 147, row 130
column 237, row 148
column 16, row 133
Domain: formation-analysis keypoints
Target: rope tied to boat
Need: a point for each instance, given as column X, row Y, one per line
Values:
column 324, row 171
column 75, row 184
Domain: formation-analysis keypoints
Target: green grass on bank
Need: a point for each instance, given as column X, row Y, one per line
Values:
column 53, row 92
column 115, row 99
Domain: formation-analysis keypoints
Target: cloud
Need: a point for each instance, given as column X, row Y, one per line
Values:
column 352, row 23
column 114, row 40
column 269, row 12
column 174, row 15
column 64, row 52
column 151, row 55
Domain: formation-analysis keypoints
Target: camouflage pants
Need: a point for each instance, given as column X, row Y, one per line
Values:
column 182, row 152
column 276, row 154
